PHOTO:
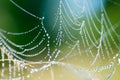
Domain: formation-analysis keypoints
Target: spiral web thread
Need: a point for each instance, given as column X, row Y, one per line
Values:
column 68, row 22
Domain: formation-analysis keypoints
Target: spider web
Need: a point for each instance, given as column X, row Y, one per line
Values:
column 81, row 34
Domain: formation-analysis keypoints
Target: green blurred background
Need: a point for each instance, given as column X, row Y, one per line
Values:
column 14, row 20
